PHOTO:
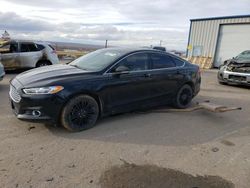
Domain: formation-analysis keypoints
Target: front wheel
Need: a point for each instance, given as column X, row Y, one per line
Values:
column 80, row 113
column 184, row 97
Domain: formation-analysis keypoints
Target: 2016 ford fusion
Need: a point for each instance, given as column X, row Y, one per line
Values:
column 101, row 83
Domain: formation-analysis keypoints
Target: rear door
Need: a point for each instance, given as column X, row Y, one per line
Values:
column 130, row 89
column 165, row 75
column 29, row 55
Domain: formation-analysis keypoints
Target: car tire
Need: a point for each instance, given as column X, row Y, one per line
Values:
column 183, row 97
column 43, row 63
column 222, row 83
column 80, row 113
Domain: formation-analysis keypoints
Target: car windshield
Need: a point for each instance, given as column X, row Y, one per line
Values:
column 245, row 54
column 96, row 61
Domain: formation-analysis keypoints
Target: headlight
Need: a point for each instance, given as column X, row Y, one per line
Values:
column 43, row 90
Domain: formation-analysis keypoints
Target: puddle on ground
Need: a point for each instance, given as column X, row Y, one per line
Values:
column 150, row 176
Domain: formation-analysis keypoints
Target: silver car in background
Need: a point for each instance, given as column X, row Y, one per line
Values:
column 236, row 70
column 17, row 54
column 2, row 72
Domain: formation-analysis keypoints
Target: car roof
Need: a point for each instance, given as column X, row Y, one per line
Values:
column 126, row 50
column 132, row 50
column 26, row 41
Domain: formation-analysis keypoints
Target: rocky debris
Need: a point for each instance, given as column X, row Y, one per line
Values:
column 50, row 179
column 215, row 149
column 31, row 127
column 71, row 166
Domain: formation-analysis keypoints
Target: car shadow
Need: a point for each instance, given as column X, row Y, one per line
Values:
column 171, row 128
column 16, row 71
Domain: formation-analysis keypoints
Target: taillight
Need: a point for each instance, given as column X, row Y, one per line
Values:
column 199, row 71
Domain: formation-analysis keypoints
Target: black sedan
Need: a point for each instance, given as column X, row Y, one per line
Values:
column 101, row 83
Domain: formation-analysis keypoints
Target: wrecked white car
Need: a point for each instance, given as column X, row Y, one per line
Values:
column 236, row 70
column 17, row 54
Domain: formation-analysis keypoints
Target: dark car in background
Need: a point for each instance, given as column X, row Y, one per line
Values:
column 160, row 48
column 236, row 70
column 101, row 83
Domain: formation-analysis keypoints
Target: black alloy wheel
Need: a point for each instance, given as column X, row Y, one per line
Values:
column 184, row 96
column 80, row 113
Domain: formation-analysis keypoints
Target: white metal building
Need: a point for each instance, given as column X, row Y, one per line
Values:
column 219, row 37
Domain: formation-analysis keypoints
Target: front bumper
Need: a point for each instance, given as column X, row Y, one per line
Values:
column 37, row 108
column 234, row 77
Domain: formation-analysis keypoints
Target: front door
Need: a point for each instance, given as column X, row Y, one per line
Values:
column 128, row 89
column 10, row 55
column 29, row 55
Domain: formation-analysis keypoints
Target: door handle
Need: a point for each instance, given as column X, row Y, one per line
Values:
column 148, row 75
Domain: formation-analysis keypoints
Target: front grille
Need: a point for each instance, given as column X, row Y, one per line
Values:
column 14, row 95
column 238, row 78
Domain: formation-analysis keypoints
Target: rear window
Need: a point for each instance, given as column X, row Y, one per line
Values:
column 160, row 61
column 40, row 46
column 178, row 62
column 51, row 47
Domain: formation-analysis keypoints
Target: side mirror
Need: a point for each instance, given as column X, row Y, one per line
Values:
column 121, row 69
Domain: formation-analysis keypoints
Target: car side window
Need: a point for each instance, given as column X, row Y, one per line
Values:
column 32, row 47
column 5, row 49
column 160, row 61
column 9, row 48
column 13, row 47
column 135, row 62
column 178, row 62
column 40, row 47
column 28, row 47
column 24, row 48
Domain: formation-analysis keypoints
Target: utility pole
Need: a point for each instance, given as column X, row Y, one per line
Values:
column 160, row 42
column 106, row 44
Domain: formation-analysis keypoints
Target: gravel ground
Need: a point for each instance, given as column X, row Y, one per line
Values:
column 194, row 143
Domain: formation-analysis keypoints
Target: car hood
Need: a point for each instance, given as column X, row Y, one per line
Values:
column 240, row 60
column 48, row 74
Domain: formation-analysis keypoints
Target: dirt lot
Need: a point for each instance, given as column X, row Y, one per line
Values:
column 147, row 150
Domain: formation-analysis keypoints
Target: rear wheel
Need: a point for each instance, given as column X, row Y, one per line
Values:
column 80, row 113
column 43, row 63
column 184, row 97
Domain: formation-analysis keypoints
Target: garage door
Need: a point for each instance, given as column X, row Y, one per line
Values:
column 233, row 39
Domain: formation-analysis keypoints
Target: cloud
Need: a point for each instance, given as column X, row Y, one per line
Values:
column 126, row 33
column 127, row 22
column 12, row 21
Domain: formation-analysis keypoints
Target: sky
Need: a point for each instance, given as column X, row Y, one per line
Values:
column 122, row 23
